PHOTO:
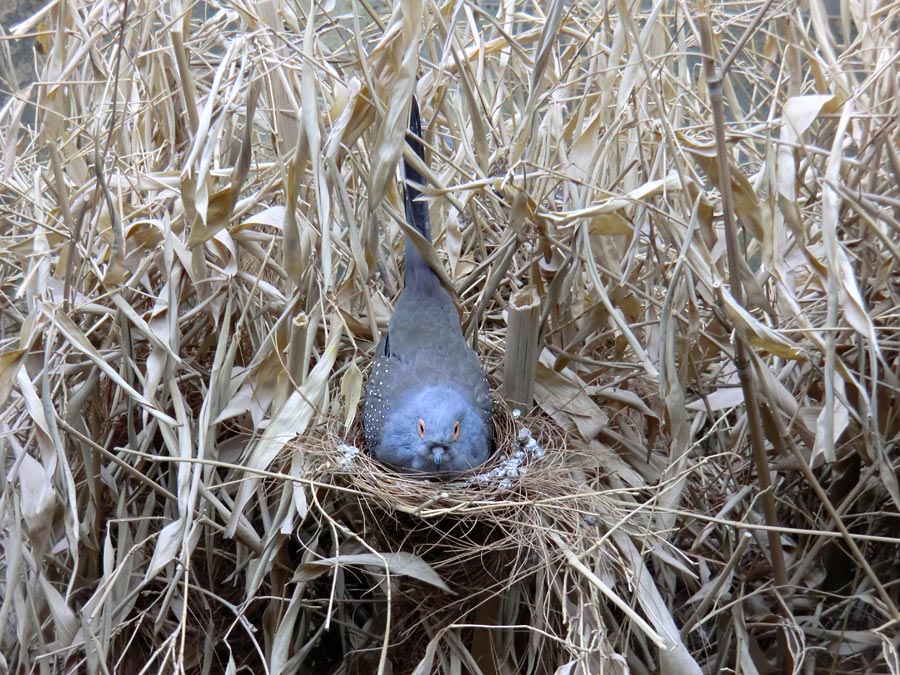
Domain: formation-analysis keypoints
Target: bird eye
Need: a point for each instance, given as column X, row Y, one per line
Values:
column 456, row 430
column 421, row 428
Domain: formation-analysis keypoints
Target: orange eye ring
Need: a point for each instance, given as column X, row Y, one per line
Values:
column 421, row 428
column 456, row 430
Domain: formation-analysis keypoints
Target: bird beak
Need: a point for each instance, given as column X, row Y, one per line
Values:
column 438, row 454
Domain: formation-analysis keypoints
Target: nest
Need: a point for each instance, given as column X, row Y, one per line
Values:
column 512, row 523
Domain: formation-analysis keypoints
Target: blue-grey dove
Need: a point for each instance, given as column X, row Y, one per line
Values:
column 428, row 405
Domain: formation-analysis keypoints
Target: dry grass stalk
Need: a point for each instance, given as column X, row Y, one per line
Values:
column 520, row 359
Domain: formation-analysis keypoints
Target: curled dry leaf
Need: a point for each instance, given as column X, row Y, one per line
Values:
column 401, row 564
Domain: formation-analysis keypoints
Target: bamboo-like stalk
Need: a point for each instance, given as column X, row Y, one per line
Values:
column 714, row 79
column 520, row 360
column 296, row 363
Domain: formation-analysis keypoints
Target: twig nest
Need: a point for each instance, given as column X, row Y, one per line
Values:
column 497, row 536
column 528, row 451
column 532, row 484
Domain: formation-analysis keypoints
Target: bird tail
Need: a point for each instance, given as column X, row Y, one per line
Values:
column 416, row 210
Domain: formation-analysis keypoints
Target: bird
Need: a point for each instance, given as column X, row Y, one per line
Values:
column 427, row 403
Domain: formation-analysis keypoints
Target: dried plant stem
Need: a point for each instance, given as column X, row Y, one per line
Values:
column 714, row 81
column 297, row 348
column 521, row 357
column 182, row 61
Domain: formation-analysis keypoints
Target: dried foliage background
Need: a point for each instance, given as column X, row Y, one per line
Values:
column 199, row 240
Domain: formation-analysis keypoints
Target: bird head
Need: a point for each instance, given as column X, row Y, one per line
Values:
column 437, row 429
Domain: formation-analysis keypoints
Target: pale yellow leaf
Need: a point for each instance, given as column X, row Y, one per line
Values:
column 351, row 390
column 272, row 216
column 720, row 399
column 760, row 335
column 402, row 564
column 840, row 419
column 37, row 496
column 609, row 223
column 168, row 544
column 853, row 304
column 10, row 362
column 799, row 112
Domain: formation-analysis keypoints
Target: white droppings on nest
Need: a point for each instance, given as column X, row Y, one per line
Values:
column 514, row 466
column 348, row 453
